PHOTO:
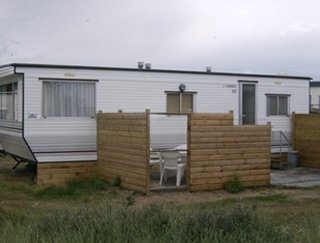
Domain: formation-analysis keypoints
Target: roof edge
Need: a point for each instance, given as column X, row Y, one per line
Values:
column 315, row 84
column 34, row 65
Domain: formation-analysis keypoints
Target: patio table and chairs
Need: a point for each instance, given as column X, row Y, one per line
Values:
column 170, row 160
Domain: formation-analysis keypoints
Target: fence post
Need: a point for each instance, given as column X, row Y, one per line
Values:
column 293, row 130
column 148, row 145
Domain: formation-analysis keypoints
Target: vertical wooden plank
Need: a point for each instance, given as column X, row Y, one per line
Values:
column 188, row 149
column 307, row 139
column 293, row 128
column 147, row 189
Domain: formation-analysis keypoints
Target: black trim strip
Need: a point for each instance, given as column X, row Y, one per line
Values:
column 179, row 92
column 315, row 84
column 12, row 128
column 62, row 152
column 67, row 79
column 29, row 65
column 248, row 81
column 278, row 94
column 77, row 161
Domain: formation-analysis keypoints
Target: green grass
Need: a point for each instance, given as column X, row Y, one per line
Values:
column 95, row 211
column 275, row 198
column 152, row 223
column 234, row 185
column 72, row 190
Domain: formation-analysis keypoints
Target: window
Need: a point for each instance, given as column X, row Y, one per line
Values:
column 9, row 102
column 68, row 99
column 277, row 105
column 179, row 102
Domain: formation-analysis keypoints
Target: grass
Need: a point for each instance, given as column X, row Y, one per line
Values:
column 152, row 223
column 72, row 190
column 95, row 211
column 278, row 198
column 234, row 185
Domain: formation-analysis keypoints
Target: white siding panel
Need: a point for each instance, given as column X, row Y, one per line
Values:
column 137, row 91
column 20, row 99
column 48, row 135
column 315, row 97
column 298, row 101
column 11, row 141
column 5, row 71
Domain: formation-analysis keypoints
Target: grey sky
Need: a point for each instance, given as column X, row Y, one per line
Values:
column 260, row 36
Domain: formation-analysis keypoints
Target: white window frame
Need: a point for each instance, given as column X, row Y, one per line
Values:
column 180, row 102
column 15, row 101
column 46, row 80
column 278, row 104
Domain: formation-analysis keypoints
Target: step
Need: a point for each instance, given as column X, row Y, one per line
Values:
column 277, row 149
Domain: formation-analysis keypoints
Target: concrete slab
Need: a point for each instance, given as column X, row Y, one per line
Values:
column 300, row 177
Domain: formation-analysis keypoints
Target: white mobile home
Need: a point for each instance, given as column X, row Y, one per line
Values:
column 47, row 112
column 315, row 96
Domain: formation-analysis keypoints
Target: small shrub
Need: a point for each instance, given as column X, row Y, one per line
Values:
column 56, row 192
column 130, row 199
column 116, row 181
column 235, row 185
column 98, row 184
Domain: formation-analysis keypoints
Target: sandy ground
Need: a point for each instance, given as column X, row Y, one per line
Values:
column 23, row 178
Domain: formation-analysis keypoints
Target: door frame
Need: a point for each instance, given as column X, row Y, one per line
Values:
column 240, row 115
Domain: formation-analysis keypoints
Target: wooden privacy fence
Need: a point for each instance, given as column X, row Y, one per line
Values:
column 123, row 145
column 60, row 173
column 306, row 138
column 218, row 150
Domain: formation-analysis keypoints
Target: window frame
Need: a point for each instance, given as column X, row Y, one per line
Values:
column 15, row 101
column 278, row 96
column 56, row 80
column 192, row 93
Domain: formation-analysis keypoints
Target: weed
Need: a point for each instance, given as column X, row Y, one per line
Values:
column 144, row 224
column 279, row 198
column 98, row 183
column 72, row 190
column 116, row 181
column 130, row 199
column 310, row 229
column 234, row 185
column 56, row 192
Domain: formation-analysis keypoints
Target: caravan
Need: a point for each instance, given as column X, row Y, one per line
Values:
column 48, row 112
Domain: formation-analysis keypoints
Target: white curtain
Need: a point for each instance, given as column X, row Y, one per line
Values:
column 68, row 99
column 8, row 101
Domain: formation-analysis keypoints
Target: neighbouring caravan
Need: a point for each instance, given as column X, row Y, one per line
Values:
column 315, row 96
column 47, row 112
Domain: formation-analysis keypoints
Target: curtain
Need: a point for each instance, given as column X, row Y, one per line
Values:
column 272, row 105
column 68, row 99
column 283, row 105
column 7, row 102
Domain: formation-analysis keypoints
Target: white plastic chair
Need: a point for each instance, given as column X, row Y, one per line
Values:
column 171, row 162
column 155, row 158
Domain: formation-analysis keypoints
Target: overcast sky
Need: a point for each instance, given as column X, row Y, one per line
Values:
column 259, row 36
